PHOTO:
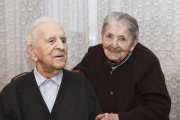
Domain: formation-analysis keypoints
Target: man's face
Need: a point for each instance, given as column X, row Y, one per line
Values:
column 51, row 49
column 117, row 42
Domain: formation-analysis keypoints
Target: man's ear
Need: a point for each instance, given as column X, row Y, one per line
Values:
column 134, row 44
column 31, row 51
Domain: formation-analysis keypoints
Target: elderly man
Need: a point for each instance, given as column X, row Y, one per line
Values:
column 49, row 92
column 126, row 75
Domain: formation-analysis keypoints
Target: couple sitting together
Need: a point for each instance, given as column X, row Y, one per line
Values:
column 123, row 79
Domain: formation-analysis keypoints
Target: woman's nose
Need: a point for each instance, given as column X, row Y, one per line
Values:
column 115, row 44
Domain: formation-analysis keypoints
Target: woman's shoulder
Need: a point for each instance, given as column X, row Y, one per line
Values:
column 98, row 47
column 142, row 51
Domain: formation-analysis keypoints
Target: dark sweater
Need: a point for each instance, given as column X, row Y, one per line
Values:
column 136, row 90
column 76, row 100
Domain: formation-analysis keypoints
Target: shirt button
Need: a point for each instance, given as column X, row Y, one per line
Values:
column 50, row 94
column 111, row 93
column 111, row 72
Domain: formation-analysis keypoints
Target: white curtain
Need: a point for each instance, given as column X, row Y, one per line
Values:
column 159, row 22
column 14, row 16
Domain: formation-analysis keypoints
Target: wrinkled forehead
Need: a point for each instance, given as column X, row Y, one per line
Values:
column 118, row 29
column 51, row 29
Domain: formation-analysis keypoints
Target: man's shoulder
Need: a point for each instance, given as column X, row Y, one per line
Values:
column 77, row 80
column 15, row 84
column 74, row 77
column 23, row 78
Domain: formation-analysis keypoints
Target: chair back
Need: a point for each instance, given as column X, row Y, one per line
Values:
column 76, row 71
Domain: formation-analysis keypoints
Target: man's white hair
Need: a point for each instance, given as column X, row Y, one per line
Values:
column 32, row 29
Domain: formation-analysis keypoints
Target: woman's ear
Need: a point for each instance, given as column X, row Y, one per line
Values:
column 31, row 51
column 134, row 44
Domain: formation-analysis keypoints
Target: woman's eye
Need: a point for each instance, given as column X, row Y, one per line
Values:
column 122, row 39
column 109, row 36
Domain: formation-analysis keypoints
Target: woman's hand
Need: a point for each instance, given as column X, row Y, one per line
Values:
column 107, row 116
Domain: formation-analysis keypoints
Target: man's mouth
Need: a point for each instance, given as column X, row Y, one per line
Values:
column 59, row 57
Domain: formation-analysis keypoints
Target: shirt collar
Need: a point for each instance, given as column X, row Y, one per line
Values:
column 123, row 61
column 40, row 79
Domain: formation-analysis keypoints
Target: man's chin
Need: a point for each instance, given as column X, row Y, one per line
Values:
column 59, row 66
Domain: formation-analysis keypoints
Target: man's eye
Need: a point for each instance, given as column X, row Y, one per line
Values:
column 63, row 40
column 51, row 40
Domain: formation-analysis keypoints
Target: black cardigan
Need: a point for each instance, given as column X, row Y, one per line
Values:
column 76, row 100
column 135, row 90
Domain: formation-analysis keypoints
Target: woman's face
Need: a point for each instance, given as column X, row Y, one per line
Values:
column 117, row 42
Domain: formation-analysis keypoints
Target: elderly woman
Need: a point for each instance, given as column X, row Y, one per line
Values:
column 126, row 75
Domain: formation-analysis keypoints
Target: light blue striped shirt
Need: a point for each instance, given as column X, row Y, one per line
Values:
column 48, row 87
column 113, row 68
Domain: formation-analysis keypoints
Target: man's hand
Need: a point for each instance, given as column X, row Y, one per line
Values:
column 107, row 116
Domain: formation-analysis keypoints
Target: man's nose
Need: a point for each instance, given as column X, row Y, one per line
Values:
column 60, row 44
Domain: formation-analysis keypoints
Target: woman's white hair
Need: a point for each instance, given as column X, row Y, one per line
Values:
column 32, row 29
column 122, row 19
